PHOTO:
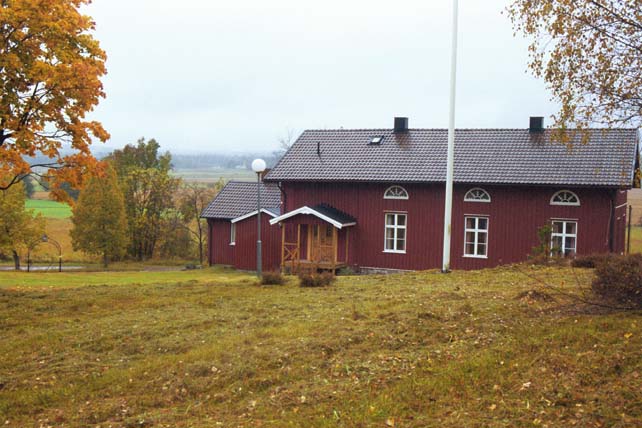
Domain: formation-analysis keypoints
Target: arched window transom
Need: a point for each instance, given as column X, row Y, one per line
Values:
column 565, row 197
column 395, row 192
column 477, row 195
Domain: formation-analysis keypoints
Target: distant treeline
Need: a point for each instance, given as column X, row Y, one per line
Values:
column 198, row 161
column 215, row 160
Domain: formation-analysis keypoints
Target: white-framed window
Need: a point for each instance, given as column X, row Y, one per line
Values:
column 565, row 197
column 232, row 233
column 477, row 195
column 564, row 237
column 395, row 192
column 395, row 233
column 476, row 237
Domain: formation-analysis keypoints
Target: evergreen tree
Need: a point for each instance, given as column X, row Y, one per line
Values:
column 99, row 221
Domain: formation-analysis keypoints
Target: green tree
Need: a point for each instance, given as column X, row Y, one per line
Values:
column 99, row 222
column 193, row 200
column 589, row 53
column 149, row 189
column 50, row 71
column 18, row 226
column 177, row 240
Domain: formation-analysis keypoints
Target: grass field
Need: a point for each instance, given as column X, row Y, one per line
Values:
column 636, row 239
column 56, row 281
column 210, row 348
column 49, row 209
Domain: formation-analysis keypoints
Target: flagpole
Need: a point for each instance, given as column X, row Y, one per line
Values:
column 451, row 146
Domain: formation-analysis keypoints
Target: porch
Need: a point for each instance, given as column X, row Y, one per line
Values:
column 314, row 239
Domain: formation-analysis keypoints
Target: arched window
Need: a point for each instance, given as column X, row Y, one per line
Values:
column 477, row 195
column 565, row 197
column 395, row 192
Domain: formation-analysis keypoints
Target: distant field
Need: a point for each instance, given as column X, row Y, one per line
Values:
column 212, row 175
column 49, row 209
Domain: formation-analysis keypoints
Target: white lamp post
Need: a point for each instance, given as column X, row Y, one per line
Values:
column 258, row 166
column 450, row 166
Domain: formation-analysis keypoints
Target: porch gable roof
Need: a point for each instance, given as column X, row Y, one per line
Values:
column 325, row 212
column 272, row 212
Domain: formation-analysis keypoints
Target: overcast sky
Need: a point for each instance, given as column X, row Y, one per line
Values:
column 220, row 76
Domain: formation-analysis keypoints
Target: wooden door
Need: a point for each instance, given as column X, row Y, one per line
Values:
column 321, row 244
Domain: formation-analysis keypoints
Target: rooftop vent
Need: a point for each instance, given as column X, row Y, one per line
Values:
column 375, row 141
column 401, row 125
column 536, row 125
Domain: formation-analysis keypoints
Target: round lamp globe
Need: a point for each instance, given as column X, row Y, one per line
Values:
column 258, row 166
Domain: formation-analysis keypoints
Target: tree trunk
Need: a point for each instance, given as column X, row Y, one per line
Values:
column 16, row 260
column 105, row 260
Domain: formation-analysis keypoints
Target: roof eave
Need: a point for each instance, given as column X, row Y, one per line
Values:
column 305, row 210
column 252, row 214
column 481, row 183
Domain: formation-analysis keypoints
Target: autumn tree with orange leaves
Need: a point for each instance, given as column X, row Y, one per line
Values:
column 50, row 70
column 589, row 53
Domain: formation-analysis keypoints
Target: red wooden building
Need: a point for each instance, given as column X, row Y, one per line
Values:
column 374, row 199
column 232, row 226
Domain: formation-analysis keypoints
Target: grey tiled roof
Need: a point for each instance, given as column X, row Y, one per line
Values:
column 491, row 156
column 238, row 198
column 276, row 211
column 334, row 214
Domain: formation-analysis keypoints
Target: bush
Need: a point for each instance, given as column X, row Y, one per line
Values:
column 620, row 280
column 347, row 271
column 307, row 279
column 272, row 278
column 591, row 261
column 541, row 254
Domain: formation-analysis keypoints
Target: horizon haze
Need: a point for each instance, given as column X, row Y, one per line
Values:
column 214, row 76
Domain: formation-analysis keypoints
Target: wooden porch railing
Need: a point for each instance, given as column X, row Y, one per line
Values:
column 291, row 252
column 320, row 255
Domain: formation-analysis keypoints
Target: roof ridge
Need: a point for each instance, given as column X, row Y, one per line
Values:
column 245, row 182
column 463, row 129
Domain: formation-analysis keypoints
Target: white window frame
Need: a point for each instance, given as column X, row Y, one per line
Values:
column 470, row 199
column 477, row 231
column 386, row 196
column 568, row 204
column 395, row 227
column 564, row 235
column 232, row 233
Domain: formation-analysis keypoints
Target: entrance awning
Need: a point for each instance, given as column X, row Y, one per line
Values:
column 325, row 212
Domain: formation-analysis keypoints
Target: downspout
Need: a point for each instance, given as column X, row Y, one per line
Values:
column 284, row 197
column 210, row 250
column 612, row 221
column 284, row 200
